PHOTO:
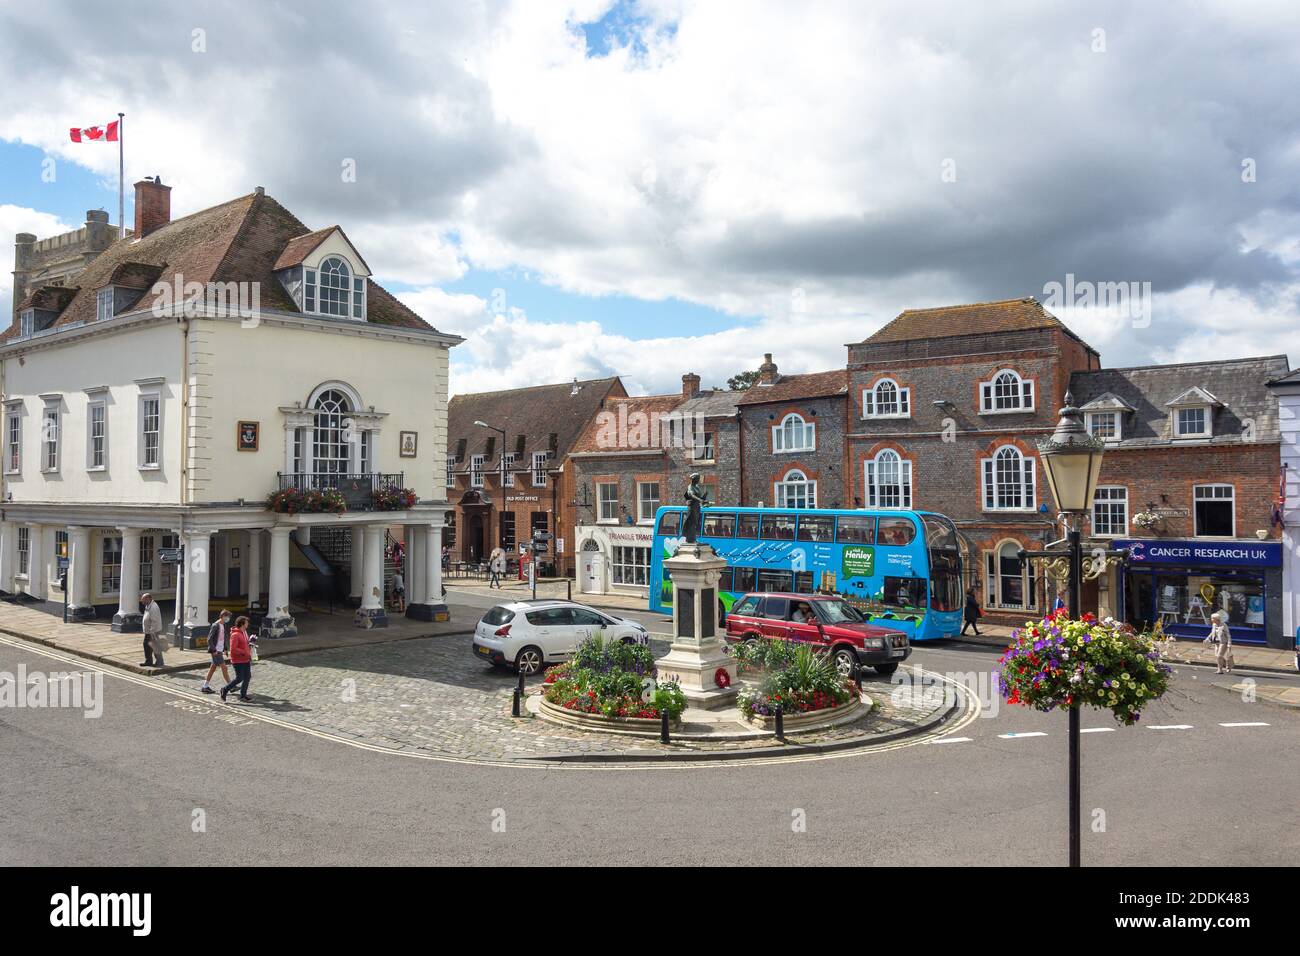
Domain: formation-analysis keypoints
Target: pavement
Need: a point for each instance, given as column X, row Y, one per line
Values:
column 163, row 778
column 97, row 641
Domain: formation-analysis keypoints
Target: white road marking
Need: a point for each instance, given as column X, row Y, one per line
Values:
column 1027, row 733
column 1097, row 730
column 1247, row 723
column 951, row 740
column 1169, row 727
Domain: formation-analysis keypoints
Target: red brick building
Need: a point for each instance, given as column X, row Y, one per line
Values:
column 946, row 406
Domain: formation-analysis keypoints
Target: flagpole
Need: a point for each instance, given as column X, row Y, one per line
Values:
column 121, row 193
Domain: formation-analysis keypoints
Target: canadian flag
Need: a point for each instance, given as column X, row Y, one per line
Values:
column 92, row 134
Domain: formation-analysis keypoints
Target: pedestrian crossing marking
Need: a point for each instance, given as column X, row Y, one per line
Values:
column 1097, row 730
column 1247, row 723
column 1170, row 727
column 1027, row 733
column 952, row 740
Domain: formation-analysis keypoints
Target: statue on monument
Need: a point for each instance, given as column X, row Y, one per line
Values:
column 696, row 497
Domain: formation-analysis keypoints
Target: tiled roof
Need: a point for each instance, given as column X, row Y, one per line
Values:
column 712, row 403
column 1240, row 384
column 979, row 318
column 236, row 241
column 596, row 439
column 300, row 248
column 792, row 387
column 51, row 298
column 535, row 413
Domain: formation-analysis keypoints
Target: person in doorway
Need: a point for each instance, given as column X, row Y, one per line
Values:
column 399, row 590
column 496, row 567
column 218, row 645
column 152, row 625
column 1221, row 639
column 241, row 657
column 973, row 612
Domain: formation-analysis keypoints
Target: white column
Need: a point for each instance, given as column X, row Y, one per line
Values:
column 433, row 567
column 371, row 613
column 278, row 622
column 198, row 575
column 415, row 559
column 304, row 535
column 80, row 558
column 253, row 566
column 177, row 572
column 8, row 555
column 356, row 573
column 128, row 617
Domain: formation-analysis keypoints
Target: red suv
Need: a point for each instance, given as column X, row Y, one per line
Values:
column 825, row 621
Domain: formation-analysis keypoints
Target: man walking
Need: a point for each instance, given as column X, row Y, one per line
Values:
column 217, row 647
column 973, row 612
column 152, row 625
column 497, row 567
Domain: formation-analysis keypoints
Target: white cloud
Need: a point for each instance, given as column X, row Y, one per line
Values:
column 724, row 158
column 13, row 220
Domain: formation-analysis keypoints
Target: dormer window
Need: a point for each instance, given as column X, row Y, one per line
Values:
column 1192, row 422
column 26, row 322
column 1105, row 425
column 333, row 289
column 1006, row 392
column 1191, row 414
column 104, row 304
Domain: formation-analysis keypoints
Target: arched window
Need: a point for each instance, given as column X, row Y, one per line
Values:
column 796, row 491
column 335, row 287
column 794, row 434
column 1007, row 392
column 887, row 399
column 329, row 444
column 1009, row 583
column 1008, row 481
column 889, row 481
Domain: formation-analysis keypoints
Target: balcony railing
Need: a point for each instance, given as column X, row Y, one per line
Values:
column 357, row 490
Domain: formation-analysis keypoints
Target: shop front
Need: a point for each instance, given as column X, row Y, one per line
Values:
column 1179, row 584
column 614, row 559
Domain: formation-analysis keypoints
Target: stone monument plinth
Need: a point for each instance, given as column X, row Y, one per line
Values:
column 697, row 654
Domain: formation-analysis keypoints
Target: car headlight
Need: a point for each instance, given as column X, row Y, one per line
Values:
column 873, row 642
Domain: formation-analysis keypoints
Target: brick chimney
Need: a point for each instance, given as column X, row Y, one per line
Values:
column 690, row 385
column 767, row 371
column 153, row 206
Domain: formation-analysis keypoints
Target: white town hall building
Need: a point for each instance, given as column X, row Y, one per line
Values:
column 159, row 396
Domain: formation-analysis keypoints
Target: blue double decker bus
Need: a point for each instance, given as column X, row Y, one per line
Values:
column 901, row 569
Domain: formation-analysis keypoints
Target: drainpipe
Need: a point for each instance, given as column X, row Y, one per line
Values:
column 740, row 458
column 185, row 410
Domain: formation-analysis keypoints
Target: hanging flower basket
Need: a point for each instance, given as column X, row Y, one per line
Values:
column 1147, row 521
column 1060, row 662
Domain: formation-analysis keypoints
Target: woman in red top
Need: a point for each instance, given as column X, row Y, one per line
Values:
column 242, row 659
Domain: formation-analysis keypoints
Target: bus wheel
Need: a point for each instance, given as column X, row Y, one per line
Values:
column 845, row 661
column 884, row 670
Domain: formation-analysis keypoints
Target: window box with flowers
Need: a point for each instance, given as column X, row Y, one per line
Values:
column 391, row 498
column 292, row 501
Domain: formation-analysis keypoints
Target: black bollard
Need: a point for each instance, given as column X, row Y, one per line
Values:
column 663, row 726
column 780, row 723
column 520, row 689
column 514, row 703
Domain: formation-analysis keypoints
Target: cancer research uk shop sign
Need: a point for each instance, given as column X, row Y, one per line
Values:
column 1218, row 554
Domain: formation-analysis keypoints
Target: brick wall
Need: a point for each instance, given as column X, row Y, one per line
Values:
column 763, row 467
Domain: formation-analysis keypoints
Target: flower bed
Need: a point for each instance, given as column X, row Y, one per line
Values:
column 612, row 680
column 1060, row 662
column 294, row 501
column 802, row 680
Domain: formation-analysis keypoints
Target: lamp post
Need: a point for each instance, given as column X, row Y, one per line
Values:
column 1072, row 461
column 501, row 519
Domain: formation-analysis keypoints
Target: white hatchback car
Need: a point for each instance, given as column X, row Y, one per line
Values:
column 528, row 635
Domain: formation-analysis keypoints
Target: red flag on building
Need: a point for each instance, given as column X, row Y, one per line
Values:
column 103, row 134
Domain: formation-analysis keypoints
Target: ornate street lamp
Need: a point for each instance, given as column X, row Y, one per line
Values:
column 1072, row 460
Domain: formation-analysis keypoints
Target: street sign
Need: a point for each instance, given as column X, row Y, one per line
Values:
column 171, row 555
column 541, row 547
column 543, row 536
